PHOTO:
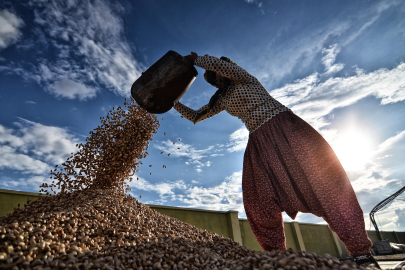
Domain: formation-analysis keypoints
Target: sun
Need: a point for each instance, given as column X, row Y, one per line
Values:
column 354, row 149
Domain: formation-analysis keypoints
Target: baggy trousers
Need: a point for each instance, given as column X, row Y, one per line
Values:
column 288, row 166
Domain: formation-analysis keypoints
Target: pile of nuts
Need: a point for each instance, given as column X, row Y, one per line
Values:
column 110, row 155
column 105, row 229
column 93, row 224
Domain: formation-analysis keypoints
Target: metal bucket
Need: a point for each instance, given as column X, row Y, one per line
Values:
column 163, row 83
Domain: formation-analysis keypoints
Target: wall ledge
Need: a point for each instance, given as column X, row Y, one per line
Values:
column 189, row 209
column 20, row 192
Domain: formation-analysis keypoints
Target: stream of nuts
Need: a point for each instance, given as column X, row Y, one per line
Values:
column 91, row 223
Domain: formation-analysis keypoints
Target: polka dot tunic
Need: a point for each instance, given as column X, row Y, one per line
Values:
column 246, row 98
column 288, row 166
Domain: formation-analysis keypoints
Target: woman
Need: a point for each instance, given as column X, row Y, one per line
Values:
column 287, row 166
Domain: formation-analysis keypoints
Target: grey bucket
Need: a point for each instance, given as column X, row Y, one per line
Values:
column 163, row 83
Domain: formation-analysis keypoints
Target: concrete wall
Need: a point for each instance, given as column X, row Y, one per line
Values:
column 223, row 223
column 311, row 233
column 299, row 236
column 9, row 199
column 395, row 237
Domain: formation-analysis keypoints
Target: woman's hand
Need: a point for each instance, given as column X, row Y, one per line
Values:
column 191, row 57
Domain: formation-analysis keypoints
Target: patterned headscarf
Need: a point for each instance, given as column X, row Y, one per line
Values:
column 223, row 84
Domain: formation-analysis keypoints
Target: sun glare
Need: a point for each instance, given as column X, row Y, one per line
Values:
column 354, row 149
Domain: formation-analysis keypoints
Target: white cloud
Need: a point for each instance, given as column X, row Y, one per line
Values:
column 334, row 69
column 225, row 196
column 367, row 182
column 216, row 155
column 299, row 52
column 186, row 150
column 10, row 25
column 9, row 159
column 371, row 17
column 389, row 155
column 303, row 48
column 390, row 142
column 91, row 49
column 53, row 144
column 162, row 189
column 401, row 218
column 297, row 92
column 71, row 89
column 312, row 99
column 22, row 184
column 330, row 55
column 238, row 140
column 7, row 137
column 34, row 148
column 390, row 218
column 194, row 156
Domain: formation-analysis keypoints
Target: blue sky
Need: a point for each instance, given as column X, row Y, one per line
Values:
column 337, row 64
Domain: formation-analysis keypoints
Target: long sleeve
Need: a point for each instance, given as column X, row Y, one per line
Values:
column 246, row 98
column 225, row 69
column 191, row 114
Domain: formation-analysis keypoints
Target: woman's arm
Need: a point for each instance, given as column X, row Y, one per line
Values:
column 225, row 69
column 191, row 114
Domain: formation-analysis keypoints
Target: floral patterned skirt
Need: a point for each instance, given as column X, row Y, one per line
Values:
column 288, row 166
